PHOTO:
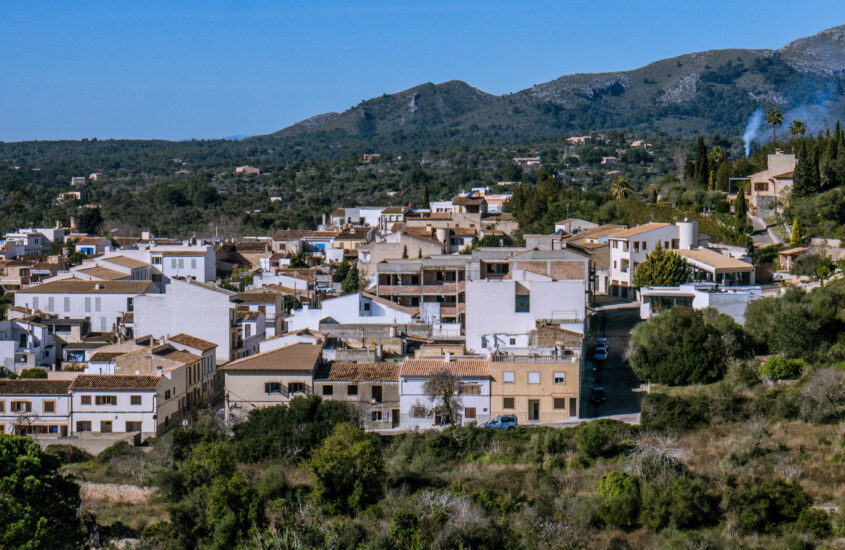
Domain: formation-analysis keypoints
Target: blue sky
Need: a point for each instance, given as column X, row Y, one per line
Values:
column 181, row 69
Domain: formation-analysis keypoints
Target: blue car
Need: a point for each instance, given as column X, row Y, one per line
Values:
column 507, row 422
column 600, row 354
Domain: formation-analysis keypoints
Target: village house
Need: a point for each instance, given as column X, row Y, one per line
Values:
column 536, row 388
column 89, row 246
column 288, row 241
column 731, row 301
column 269, row 378
column 772, row 184
column 26, row 343
column 34, row 407
column 372, row 388
column 416, row 408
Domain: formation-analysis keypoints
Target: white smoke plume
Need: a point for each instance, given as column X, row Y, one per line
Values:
column 752, row 129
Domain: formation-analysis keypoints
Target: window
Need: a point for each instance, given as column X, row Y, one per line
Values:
column 35, row 302
column 645, row 246
column 87, row 304
column 97, row 304
column 469, row 389
column 173, row 263
column 366, row 306
column 105, row 426
column 105, row 400
column 135, row 399
column 85, row 399
column 375, row 416
column 636, row 246
column 418, row 411
column 272, row 387
column 533, row 377
column 507, row 377
column 2, row 406
column 181, row 263
column 560, row 402
column 560, row 378
column 83, row 426
column 49, row 406
column 51, row 304
column 469, row 413
column 328, row 390
column 133, row 426
column 624, row 265
column 377, row 394
column 512, row 341
column 67, row 304
column 130, row 304
column 665, row 244
column 193, row 263
column 352, row 389
column 296, row 387
column 523, row 304
column 507, row 403
column 21, row 406
column 156, row 260
column 22, row 340
column 166, row 395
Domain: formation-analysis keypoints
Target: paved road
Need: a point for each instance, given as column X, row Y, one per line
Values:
column 615, row 376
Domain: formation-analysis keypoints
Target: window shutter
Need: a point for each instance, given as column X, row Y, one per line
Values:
column 28, row 407
column 266, row 387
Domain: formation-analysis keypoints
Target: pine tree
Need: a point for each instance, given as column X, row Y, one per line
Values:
column 795, row 238
column 662, row 268
column 405, row 252
column 352, row 282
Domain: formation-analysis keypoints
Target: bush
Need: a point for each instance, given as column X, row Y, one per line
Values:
column 660, row 411
column 678, row 347
column 290, row 431
column 815, row 522
column 764, row 505
column 823, row 397
column 620, row 499
column 348, row 469
column 601, row 438
column 781, row 368
column 34, row 372
column 68, row 454
column 118, row 449
column 684, row 504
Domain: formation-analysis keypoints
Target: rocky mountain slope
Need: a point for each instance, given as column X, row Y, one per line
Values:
column 705, row 92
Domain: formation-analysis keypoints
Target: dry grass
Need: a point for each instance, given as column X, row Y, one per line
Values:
column 136, row 516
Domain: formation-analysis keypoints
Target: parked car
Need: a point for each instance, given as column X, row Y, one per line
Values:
column 598, row 395
column 507, row 422
column 601, row 341
column 600, row 354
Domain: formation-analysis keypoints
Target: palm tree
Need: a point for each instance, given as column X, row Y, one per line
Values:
column 775, row 119
column 620, row 187
column 797, row 128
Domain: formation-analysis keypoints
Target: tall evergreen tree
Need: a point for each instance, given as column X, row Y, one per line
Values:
column 805, row 179
column 702, row 166
column 795, row 238
column 662, row 268
column 741, row 212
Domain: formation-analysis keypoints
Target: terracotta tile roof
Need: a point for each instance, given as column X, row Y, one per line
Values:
column 126, row 241
column 115, row 382
column 252, row 246
column 125, row 261
column 358, row 372
column 193, row 342
column 793, row 251
column 290, row 235
column 104, row 273
column 101, row 356
column 258, row 296
column 634, row 231
column 468, row 201
column 249, row 315
column 352, row 235
column 78, row 286
column 180, row 356
column 465, row 368
column 396, row 210
column 34, row 387
column 322, row 234
column 295, row 357
column 91, row 240
column 715, row 260
column 463, row 231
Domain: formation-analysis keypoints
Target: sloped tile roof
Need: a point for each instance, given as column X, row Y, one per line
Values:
column 78, row 286
column 464, row 368
column 193, row 342
column 295, row 357
column 34, row 387
column 634, row 231
column 115, row 382
column 359, row 372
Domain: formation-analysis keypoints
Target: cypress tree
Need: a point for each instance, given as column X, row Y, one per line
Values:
column 702, row 167
column 795, row 238
column 741, row 212
column 805, row 180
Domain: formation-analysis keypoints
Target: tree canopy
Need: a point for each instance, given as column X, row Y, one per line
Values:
column 662, row 268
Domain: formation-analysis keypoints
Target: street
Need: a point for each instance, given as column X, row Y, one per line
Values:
column 614, row 374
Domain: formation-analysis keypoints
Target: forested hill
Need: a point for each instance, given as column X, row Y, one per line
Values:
column 706, row 92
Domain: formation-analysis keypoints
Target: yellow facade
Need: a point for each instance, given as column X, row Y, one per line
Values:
column 539, row 389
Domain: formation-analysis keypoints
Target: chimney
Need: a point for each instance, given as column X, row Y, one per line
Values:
column 447, row 357
column 98, row 286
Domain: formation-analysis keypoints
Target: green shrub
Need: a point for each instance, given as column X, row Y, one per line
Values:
column 684, row 504
column 620, row 499
column 118, row 449
column 764, row 505
column 660, row 411
column 34, row 372
column 68, row 454
column 781, row 368
column 601, row 438
column 815, row 522
column 348, row 469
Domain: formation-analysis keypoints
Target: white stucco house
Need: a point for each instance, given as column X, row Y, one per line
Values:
column 359, row 308
column 25, row 343
column 731, row 301
column 34, row 407
column 415, row 405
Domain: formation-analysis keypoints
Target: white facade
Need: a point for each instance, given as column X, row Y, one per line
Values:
column 731, row 301
column 25, row 344
column 46, row 412
column 630, row 247
column 104, row 303
column 190, row 308
column 501, row 313
column 412, row 396
column 357, row 308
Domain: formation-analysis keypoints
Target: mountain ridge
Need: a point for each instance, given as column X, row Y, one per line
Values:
column 698, row 92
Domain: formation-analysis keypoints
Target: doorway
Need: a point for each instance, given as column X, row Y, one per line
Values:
column 534, row 409
column 394, row 418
